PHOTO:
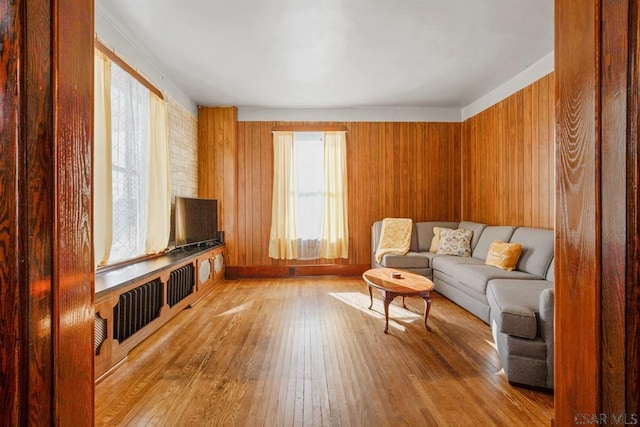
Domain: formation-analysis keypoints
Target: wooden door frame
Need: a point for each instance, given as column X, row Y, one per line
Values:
column 46, row 244
column 597, row 243
column 46, row 254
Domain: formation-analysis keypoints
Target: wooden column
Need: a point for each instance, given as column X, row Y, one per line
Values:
column 217, row 168
column 46, row 267
column 597, row 322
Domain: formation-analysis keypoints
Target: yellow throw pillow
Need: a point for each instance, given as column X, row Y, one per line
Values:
column 435, row 242
column 504, row 255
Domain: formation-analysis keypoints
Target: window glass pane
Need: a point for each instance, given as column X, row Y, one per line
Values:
column 130, row 139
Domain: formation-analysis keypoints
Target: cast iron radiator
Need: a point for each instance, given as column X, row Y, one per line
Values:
column 180, row 284
column 136, row 308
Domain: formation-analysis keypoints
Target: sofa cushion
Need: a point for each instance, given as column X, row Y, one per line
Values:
column 489, row 234
column 537, row 249
column 515, row 304
column 476, row 276
column 504, row 255
column 477, row 229
column 424, row 232
column 448, row 263
column 410, row 260
column 455, row 242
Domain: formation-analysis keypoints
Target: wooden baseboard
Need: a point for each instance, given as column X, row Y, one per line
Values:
column 343, row 270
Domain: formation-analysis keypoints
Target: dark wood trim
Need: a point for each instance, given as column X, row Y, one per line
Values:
column 633, row 216
column 38, row 150
column 13, row 292
column 264, row 271
column 613, row 153
column 128, row 68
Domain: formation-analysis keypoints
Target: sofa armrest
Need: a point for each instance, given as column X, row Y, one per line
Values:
column 546, row 316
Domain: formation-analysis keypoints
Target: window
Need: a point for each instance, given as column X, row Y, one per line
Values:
column 129, row 164
column 131, row 167
column 309, row 211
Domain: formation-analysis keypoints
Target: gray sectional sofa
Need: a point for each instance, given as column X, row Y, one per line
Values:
column 518, row 304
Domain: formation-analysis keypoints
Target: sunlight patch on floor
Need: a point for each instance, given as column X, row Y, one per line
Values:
column 362, row 301
column 237, row 309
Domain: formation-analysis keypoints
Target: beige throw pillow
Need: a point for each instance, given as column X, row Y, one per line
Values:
column 435, row 242
column 455, row 242
column 504, row 255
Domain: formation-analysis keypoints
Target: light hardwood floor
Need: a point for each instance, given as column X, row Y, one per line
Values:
column 292, row 352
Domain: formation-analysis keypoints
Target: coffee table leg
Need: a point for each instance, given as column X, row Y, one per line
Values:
column 427, row 308
column 387, row 300
column 370, row 296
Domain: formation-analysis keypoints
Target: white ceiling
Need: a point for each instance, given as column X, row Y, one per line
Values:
column 337, row 53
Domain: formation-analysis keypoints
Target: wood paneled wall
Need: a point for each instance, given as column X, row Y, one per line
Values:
column 394, row 169
column 217, row 167
column 508, row 160
column 497, row 167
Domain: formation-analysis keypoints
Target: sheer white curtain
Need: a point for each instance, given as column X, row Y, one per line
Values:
column 158, row 183
column 283, row 236
column 102, row 211
column 129, row 167
column 309, row 211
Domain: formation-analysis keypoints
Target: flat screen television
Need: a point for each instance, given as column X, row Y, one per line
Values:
column 196, row 221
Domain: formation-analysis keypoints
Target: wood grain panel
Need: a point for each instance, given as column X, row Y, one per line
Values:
column 72, row 232
column 39, row 152
column 217, row 167
column 578, row 239
column 508, row 160
column 14, row 383
column 632, row 343
column 394, row 169
column 613, row 136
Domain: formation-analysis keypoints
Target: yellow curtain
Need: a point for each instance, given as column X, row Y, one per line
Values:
column 102, row 200
column 335, row 231
column 158, row 182
column 283, row 239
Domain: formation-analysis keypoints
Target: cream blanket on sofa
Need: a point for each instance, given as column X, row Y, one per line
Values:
column 395, row 237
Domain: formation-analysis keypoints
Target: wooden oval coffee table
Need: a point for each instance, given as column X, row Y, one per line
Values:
column 408, row 285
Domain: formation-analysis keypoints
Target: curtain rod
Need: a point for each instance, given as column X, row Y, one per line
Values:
column 128, row 68
column 309, row 128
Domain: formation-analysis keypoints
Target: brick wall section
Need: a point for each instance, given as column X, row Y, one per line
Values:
column 183, row 145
